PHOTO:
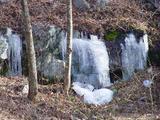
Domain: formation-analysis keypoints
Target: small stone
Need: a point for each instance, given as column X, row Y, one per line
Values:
column 156, row 3
column 147, row 83
column 102, row 3
column 81, row 4
column 25, row 89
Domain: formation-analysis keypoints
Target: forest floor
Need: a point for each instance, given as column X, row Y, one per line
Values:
column 131, row 102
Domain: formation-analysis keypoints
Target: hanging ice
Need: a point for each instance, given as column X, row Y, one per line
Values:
column 90, row 62
column 3, row 47
column 134, row 55
column 14, row 53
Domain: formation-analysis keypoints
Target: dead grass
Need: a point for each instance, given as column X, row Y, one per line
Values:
column 119, row 14
column 132, row 101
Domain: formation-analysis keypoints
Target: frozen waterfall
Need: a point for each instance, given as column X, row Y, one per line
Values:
column 134, row 55
column 90, row 63
column 14, row 53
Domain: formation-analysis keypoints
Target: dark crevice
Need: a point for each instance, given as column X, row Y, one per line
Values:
column 115, row 75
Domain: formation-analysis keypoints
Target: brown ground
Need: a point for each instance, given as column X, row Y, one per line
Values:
column 131, row 102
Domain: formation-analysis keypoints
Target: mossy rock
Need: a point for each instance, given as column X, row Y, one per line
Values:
column 111, row 35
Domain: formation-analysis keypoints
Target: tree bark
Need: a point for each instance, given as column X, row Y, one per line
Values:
column 67, row 80
column 30, row 52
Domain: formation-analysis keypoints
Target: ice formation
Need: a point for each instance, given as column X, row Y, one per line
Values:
column 14, row 53
column 134, row 55
column 90, row 96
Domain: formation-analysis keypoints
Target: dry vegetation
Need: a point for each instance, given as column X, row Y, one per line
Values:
column 120, row 14
column 131, row 101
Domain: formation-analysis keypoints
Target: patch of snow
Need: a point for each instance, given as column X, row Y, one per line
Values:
column 147, row 83
column 97, row 97
column 87, row 86
column 25, row 89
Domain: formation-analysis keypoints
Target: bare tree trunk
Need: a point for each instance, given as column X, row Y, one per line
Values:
column 67, row 81
column 30, row 51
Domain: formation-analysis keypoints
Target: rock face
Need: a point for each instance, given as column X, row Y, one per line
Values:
column 156, row 3
column 48, row 49
column 50, row 45
column 154, row 54
column 4, row 1
column 90, row 63
column 102, row 3
column 81, row 4
column 49, row 67
column 128, row 54
column 84, row 5
column 91, row 58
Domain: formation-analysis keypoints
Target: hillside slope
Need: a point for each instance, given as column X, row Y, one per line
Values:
column 122, row 15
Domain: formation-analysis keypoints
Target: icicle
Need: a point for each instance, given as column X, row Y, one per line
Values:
column 90, row 62
column 134, row 55
column 4, row 47
column 14, row 54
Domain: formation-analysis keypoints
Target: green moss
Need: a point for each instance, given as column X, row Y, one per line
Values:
column 4, row 69
column 111, row 36
column 71, row 98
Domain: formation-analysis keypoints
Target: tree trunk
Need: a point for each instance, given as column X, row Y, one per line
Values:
column 67, row 80
column 30, row 52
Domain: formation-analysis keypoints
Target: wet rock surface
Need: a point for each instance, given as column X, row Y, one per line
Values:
column 47, row 46
column 156, row 3
column 81, row 4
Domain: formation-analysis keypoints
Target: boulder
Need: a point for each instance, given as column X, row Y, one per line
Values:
column 48, row 48
column 48, row 39
column 81, row 4
column 4, row 1
column 85, row 5
column 50, row 67
column 102, row 3
column 156, row 3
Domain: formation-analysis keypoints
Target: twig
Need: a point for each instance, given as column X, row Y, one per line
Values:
column 151, row 96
